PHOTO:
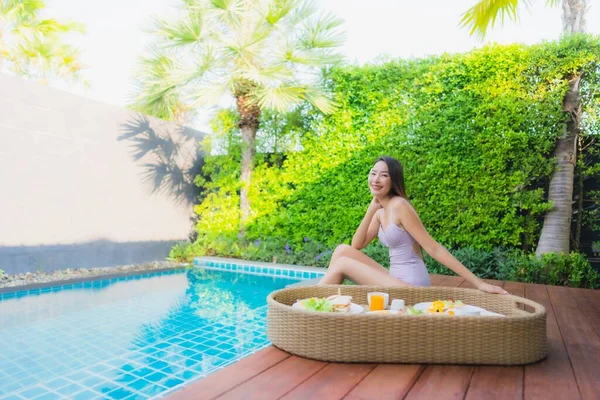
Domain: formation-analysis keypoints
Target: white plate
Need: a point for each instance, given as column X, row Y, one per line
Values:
column 354, row 308
column 467, row 307
column 384, row 312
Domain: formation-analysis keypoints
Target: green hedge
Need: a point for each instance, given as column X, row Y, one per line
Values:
column 474, row 131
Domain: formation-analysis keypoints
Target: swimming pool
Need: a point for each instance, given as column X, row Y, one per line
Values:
column 134, row 337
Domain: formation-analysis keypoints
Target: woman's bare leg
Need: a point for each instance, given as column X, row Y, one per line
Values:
column 359, row 273
column 347, row 262
column 344, row 250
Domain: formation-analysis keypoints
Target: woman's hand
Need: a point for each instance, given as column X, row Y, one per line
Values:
column 487, row 288
column 375, row 205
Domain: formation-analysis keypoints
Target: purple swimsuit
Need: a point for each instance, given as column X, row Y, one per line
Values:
column 405, row 264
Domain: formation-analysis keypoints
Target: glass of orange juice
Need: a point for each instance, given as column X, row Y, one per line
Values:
column 376, row 303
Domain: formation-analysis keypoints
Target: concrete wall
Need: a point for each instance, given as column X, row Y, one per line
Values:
column 85, row 184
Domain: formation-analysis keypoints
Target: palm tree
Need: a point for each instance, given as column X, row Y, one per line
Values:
column 262, row 54
column 555, row 235
column 34, row 47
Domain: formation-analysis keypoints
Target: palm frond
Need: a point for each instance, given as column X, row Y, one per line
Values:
column 279, row 9
column 302, row 12
column 229, row 12
column 271, row 50
column 484, row 14
column 206, row 94
column 264, row 75
column 158, row 91
column 280, row 99
column 308, row 58
column 188, row 30
column 321, row 100
column 36, row 47
column 322, row 33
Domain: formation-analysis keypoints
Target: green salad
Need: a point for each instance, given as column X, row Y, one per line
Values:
column 413, row 311
column 318, row 304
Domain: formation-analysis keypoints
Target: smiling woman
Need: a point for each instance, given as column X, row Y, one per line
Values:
column 394, row 220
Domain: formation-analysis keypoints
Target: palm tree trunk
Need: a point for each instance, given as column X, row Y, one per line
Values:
column 249, row 121
column 580, row 191
column 556, row 231
column 573, row 16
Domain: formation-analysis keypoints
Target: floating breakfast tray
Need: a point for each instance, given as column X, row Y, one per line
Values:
column 517, row 338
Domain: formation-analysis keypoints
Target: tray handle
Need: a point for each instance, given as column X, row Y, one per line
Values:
column 538, row 308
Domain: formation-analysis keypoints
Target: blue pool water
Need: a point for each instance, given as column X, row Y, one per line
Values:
column 130, row 338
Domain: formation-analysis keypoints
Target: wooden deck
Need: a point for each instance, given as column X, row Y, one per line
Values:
column 571, row 370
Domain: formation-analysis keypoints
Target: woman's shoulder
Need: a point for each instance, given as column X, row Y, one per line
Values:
column 400, row 204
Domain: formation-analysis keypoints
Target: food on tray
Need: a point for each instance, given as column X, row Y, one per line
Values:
column 340, row 303
column 317, row 304
column 413, row 311
column 436, row 307
column 453, row 303
column 445, row 306
column 334, row 303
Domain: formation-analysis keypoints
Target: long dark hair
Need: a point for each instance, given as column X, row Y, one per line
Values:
column 396, row 176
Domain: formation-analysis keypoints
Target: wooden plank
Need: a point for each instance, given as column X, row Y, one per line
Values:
column 588, row 302
column 386, row 382
column 276, row 381
column 561, row 298
column 452, row 377
column 496, row 383
column 594, row 320
column 466, row 285
column 581, row 340
column 229, row 377
column 332, row 382
column 586, row 299
column 441, row 382
column 494, row 282
column 437, row 279
column 552, row 378
column 515, row 288
column 452, row 281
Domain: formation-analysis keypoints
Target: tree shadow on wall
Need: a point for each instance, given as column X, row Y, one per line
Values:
column 169, row 154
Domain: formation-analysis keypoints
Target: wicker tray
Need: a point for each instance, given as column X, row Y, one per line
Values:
column 518, row 338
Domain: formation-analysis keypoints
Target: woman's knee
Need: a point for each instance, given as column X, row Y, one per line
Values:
column 342, row 250
column 341, row 263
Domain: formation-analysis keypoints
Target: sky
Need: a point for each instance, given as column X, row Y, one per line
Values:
column 115, row 35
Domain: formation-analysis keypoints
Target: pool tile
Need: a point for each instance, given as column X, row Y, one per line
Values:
column 166, row 357
column 158, row 365
column 86, row 395
column 120, row 393
column 51, row 396
column 171, row 382
column 12, row 397
column 70, row 389
column 33, row 392
column 139, row 384
column 57, row 383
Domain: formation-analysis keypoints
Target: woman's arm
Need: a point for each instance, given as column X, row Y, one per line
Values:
column 412, row 223
column 367, row 230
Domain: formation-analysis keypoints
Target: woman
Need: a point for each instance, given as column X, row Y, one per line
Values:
column 393, row 219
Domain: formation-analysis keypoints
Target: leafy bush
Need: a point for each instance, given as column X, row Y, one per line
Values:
column 514, row 265
column 475, row 133
column 499, row 263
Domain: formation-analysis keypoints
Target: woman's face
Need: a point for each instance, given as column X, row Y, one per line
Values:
column 380, row 183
